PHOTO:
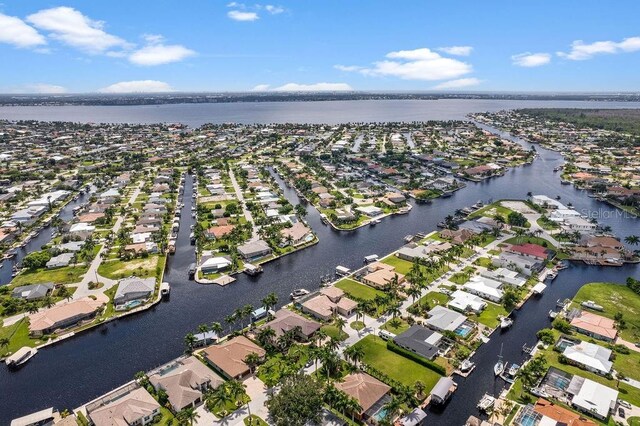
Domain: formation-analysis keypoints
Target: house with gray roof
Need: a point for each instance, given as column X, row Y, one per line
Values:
column 133, row 289
column 445, row 319
column 33, row 291
column 60, row 260
column 420, row 340
column 254, row 249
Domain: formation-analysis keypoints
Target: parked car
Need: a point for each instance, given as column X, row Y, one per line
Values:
column 624, row 404
column 621, row 412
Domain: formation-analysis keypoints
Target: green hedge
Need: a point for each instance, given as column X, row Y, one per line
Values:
column 417, row 358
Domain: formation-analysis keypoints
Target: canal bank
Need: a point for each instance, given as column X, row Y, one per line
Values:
column 87, row 366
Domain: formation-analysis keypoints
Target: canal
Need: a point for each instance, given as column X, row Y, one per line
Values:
column 79, row 369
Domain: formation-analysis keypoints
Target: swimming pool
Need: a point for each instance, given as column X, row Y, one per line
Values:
column 564, row 344
column 464, row 330
column 380, row 414
column 528, row 419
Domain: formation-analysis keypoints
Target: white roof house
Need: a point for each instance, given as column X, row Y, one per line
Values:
column 542, row 200
column 485, row 287
column 441, row 318
column 463, row 302
column 591, row 356
column 214, row 264
column 370, row 210
column 591, row 397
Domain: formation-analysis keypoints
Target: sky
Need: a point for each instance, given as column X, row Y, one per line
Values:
column 119, row 46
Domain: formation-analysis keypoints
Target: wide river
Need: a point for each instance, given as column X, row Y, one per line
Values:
column 86, row 366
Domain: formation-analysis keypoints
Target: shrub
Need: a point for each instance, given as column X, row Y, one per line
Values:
column 417, row 358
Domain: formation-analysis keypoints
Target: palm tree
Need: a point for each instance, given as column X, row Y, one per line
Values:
column 270, row 301
column 187, row 416
column 633, row 240
column 48, row 302
column 266, row 336
column 189, row 342
column 216, row 327
column 392, row 408
column 252, row 360
column 203, row 328
column 218, row 398
column 340, row 323
column 355, row 354
column 419, row 387
column 4, row 342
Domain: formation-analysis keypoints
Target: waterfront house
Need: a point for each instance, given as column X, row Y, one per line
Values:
column 215, row 264
column 589, row 356
column 328, row 302
column 228, row 357
column 254, row 249
column 485, row 287
column 370, row 393
column 81, row 230
column 381, row 274
column 133, row 291
column 550, row 412
column 466, row 302
column 217, row 232
column 63, row 316
column 515, row 262
column 592, row 398
column 33, row 291
column 594, row 325
column 534, row 251
column 296, row 234
column 60, row 260
column 29, row 215
column 444, row 319
column 458, row 236
column 420, row 340
column 124, row 407
column 505, row 276
column 285, row 320
column 184, row 382
column 371, row 211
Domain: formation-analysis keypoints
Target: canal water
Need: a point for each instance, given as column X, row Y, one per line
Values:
column 82, row 368
column 44, row 237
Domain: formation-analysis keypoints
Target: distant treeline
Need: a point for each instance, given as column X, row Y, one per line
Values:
column 182, row 98
column 620, row 120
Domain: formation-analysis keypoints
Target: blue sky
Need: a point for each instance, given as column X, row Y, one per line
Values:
column 197, row 45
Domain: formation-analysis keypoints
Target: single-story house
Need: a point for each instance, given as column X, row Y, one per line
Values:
column 420, row 340
column 217, row 232
column 521, row 264
column 63, row 316
column 485, row 287
column 133, row 289
column 370, row 393
column 594, row 325
column 371, row 211
column 60, row 260
column 124, row 407
column 505, row 276
column 380, row 275
column 444, row 319
column 33, row 291
column 215, row 264
column 254, row 249
column 591, row 397
column 228, row 357
column 328, row 302
column 184, row 381
column 286, row 320
column 592, row 357
column 530, row 250
column 82, row 230
column 466, row 302
column 552, row 412
column 297, row 233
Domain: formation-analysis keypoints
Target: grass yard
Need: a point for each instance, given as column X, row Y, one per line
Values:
column 491, row 211
column 358, row 291
column 272, row 370
column 485, row 262
column 532, row 240
column 394, row 365
column 615, row 298
column 66, row 275
column 142, row 268
column 333, row 332
column 433, row 298
column 254, row 420
column 396, row 326
column 489, row 316
column 18, row 335
column 402, row 266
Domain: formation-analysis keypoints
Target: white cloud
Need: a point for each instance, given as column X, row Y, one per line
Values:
column 581, row 51
column 137, row 86
column 457, row 50
column 274, row 10
column 16, row 32
column 44, row 88
column 529, row 59
column 75, row 29
column 417, row 64
column 459, row 83
column 158, row 54
column 241, row 16
column 348, row 68
column 315, row 87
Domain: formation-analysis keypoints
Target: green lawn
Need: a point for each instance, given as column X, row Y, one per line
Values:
column 278, row 364
column 66, row 275
column 489, row 316
column 397, row 326
column 357, row 290
column 434, row 298
column 334, row 332
column 491, row 210
column 142, row 268
column 633, row 421
column 394, row 365
column 18, row 335
column 483, row 261
column 402, row 266
column 254, row 420
column 532, row 240
column 615, row 298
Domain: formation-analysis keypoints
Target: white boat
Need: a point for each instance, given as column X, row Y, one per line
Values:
column 466, row 365
column 371, row 258
column 539, row 392
column 486, row 403
column 498, row 368
column 21, row 356
column 592, row 305
column 165, row 288
column 251, row 269
column 505, row 322
column 342, row 271
column 551, row 275
column 298, row 293
column 510, row 375
column 552, row 314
